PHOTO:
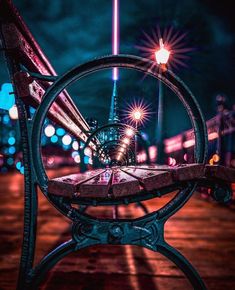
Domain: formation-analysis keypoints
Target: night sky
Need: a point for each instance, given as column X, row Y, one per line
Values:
column 72, row 32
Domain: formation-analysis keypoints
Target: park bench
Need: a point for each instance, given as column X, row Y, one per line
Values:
column 36, row 84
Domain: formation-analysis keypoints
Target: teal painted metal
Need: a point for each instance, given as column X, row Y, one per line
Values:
column 131, row 62
column 147, row 231
column 115, row 131
column 87, row 232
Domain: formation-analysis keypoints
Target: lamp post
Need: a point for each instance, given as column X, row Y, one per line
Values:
column 162, row 56
column 137, row 115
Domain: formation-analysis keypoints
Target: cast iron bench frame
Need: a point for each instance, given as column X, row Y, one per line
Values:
column 146, row 231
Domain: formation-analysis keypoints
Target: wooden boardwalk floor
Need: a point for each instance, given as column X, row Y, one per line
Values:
column 204, row 232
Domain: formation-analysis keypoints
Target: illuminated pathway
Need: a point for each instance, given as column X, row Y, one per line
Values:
column 195, row 231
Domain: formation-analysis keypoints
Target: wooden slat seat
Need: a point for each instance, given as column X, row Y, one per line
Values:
column 131, row 180
column 150, row 179
column 96, row 187
column 68, row 185
column 218, row 172
column 24, row 50
column 124, row 184
column 180, row 172
column 110, row 183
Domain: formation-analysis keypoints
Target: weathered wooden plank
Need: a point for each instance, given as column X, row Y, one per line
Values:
column 189, row 171
column 180, row 172
column 153, row 167
column 34, row 59
column 150, row 179
column 68, row 185
column 31, row 92
column 123, row 184
column 96, row 187
column 220, row 172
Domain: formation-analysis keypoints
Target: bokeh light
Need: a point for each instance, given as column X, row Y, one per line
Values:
column 54, row 139
column 12, row 150
column 7, row 98
column 10, row 161
column 49, row 130
column 60, row 132
column 86, row 159
column 67, row 140
column 87, row 151
column 75, row 145
column 11, row 141
column 13, row 113
column 77, row 159
column 18, row 165
column 6, row 119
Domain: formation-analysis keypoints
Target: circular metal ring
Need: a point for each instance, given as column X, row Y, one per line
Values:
column 117, row 126
column 124, row 61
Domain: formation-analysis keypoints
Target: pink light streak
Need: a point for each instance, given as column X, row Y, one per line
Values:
column 115, row 36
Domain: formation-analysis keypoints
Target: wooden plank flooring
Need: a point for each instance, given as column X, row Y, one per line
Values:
column 204, row 232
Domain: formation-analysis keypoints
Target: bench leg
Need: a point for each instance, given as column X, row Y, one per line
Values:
column 38, row 274
column 29, row 237
column 147, row 231
column 30, row 202
column 179, row 260
column 49, row 261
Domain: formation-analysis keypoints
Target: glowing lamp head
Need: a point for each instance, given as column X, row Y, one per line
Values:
column 129, row 132
column 123, row 145
column 119, row 156
column 122, row 149
column 162, row 55
column 126, row 141
column 137, row 115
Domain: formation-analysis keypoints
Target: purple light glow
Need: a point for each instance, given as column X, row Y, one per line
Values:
column 115, row 36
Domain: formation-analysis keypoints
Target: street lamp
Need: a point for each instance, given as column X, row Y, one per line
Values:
column 137, row 115
column 129, row 132
column 172, row 53
column 126, row 141
column 162, row 56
